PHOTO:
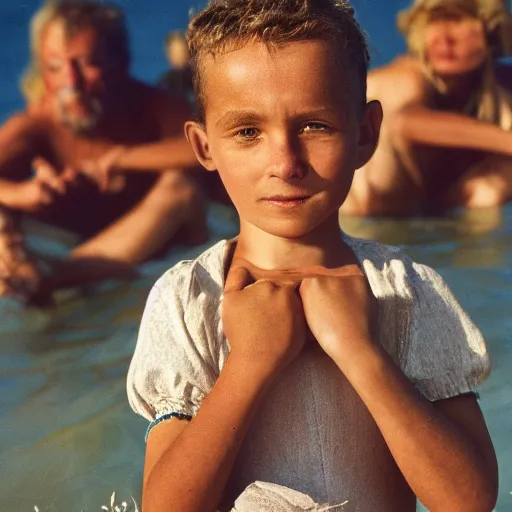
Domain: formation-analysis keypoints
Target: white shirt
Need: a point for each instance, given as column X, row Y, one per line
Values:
column 312, row 433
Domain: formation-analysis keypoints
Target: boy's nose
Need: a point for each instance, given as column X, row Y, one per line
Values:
column 288, row 161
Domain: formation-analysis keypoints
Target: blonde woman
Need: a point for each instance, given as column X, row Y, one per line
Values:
column 446, row 139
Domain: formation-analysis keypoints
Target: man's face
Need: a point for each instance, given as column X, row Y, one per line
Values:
column 284, row 130
column 76, row 74
column 455, row 46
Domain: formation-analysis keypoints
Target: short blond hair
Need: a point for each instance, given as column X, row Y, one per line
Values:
column 230, row 24
column 105, row 17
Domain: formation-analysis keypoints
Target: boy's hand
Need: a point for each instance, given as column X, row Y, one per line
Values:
column 263, row 321
column 340, row 311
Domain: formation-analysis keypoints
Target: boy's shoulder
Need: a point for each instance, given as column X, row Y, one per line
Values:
column 377, row 254
column 389, row 268
column 386, row 266
column 205, row 272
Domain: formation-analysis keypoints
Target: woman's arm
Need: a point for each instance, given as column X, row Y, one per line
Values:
column 421, row 125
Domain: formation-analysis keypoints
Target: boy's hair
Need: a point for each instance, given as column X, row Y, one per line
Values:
column 227, row 25
column 104, row 17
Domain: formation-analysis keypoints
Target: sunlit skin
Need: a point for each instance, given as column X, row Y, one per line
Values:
column 428, row 162
column 177, row 53
column 286, row 129
column 286, row 145
column 94, row 115
column 455, row 46
column 77, row 74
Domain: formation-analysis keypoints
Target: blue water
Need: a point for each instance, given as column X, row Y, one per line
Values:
column 67, row 436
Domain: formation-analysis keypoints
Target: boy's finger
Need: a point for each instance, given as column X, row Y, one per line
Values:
column 238, row 279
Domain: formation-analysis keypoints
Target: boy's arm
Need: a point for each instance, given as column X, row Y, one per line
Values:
column 443, row 451
column 188, row 471
column 187, row 465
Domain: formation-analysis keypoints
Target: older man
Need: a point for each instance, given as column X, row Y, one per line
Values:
column 84, row 105
column 446, row 139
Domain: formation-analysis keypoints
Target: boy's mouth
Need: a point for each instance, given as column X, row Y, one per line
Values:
column 285, row 200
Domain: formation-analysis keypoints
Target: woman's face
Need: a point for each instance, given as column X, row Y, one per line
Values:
column 455, row 46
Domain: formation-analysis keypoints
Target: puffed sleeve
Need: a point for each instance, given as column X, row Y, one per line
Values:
column 175, row 363
column 446, row 354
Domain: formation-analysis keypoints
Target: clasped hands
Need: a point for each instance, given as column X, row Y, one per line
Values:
column 48, row 182
column 268, row 315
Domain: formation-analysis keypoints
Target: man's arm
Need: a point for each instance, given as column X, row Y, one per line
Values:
column 169, row 153
column 172, row 151
column 19, row 144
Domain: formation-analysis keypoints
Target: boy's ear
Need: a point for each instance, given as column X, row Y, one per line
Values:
column 198, row 139
column 369, row 132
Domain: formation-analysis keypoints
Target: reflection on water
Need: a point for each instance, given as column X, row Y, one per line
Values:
column 67, row 436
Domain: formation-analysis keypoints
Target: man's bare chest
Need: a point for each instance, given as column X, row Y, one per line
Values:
column 71, row 149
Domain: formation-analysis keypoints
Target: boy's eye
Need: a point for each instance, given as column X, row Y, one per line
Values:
column 314, row 127
column 247, row 133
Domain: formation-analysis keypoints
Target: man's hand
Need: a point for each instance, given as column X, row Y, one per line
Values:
column 105, row 170
column 340, row 311
column 263, row 321
column 32, row 196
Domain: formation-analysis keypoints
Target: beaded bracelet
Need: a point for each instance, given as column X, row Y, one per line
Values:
column 168, row 416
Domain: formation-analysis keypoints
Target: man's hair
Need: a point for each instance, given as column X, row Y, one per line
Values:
column 227, row 25
column 103, row 17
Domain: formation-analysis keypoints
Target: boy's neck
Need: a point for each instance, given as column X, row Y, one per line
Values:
column 323, row 247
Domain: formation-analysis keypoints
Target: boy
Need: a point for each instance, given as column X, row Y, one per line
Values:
column 350, row 367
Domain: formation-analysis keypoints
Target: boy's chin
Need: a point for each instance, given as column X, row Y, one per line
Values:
column 291, row 230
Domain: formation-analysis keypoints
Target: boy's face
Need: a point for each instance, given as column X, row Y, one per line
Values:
column 285, row 129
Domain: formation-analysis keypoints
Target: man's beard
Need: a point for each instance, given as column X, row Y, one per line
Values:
column 78, row 112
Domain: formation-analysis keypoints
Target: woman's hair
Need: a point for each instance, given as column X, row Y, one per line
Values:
column 493, row 13
column 104, row 17
column 227, row 25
